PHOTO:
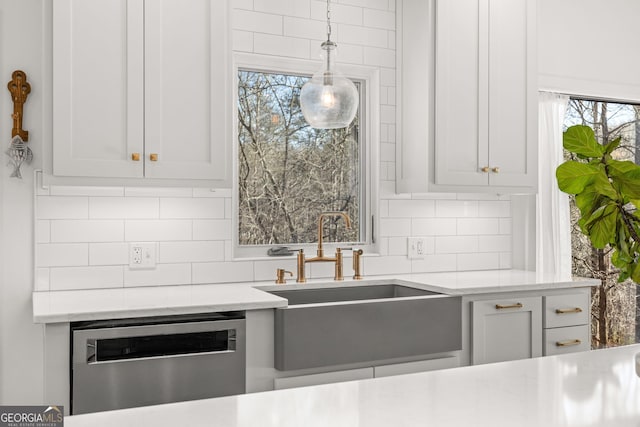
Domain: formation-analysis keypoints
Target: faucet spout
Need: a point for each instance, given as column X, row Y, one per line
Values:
column 347, row 220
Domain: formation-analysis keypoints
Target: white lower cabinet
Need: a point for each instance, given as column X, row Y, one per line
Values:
column 414, row 367
column 450, row 361
column 513, row 326
column 506, row 329
column 323, row 378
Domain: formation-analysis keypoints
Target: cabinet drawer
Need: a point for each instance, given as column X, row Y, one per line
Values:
column 567, row 340
column 566, row 310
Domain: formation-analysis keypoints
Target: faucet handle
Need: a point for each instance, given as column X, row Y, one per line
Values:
column 357, row 275
column 280, row 272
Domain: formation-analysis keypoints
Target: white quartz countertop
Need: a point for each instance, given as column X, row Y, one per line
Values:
column 95, row 304
column 596, row 388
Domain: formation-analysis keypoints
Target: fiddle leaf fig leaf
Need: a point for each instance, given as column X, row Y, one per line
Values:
column 581, row 140
column 626, row 175
column 573, row 176
column 601, row 226
column 612, row 145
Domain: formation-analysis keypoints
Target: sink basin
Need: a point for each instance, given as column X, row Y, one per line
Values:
column 349, row 293
column 371, row 323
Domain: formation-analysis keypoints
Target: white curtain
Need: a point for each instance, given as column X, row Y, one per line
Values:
column 553, row 234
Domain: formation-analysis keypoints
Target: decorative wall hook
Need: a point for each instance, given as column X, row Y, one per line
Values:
column 18, row 150
column 19, row 89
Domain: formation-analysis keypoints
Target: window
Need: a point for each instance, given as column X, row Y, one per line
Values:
column 615, row 308
column 289, row 173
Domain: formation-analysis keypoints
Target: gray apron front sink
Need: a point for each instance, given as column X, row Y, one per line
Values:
column 354, row 324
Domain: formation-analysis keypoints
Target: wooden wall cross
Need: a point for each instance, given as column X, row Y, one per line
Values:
column 19, row 89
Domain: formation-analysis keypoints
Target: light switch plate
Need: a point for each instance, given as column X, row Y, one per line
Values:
column 416, row 247
column 142, row 255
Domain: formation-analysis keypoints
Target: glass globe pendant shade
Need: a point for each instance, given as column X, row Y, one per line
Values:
column 329, row 100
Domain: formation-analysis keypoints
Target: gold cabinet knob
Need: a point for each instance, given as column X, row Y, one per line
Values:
column 485, row 169
column 135, row 157
column 495, row 169
column 153, row 157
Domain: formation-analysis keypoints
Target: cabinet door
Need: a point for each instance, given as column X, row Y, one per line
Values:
column 486, row 99
column 97, row 87
column 461, row 91
column 187, row 90
column 513, row 97
column 506, row 329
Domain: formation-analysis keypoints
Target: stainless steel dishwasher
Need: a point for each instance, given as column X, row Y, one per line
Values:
column 136, row 362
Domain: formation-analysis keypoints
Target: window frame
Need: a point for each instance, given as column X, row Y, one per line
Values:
column 369, row 128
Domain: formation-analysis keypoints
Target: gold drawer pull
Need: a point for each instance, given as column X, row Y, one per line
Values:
column 568, row 343
column 496, row 169
column 502, row 307
column 485, row 169
column 568, row 310
column 153, row 157
column 135, row 157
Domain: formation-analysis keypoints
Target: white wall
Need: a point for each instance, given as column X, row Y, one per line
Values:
column 589, row 48
column 21, row 348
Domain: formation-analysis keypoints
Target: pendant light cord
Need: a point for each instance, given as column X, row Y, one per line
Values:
column 328, row 21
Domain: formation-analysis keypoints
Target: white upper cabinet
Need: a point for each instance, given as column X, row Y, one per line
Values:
column 481, row 133
column 142, row 89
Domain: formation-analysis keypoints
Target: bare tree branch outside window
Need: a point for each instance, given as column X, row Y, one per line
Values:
column 615, row 311
column 288, row 172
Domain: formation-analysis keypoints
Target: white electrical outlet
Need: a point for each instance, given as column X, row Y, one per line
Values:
column 416, row 247
column 142, row 255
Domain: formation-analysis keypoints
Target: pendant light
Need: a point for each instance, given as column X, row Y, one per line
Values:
column 329, row 100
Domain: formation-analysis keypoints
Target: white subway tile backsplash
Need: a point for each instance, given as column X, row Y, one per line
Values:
column 374, row 265
column 157, row 230
column 365, row 36
column 505, row 226
column 304, row 28
column 243, row 4
column 456, row 208
column 275, row 45
column 197, row 208
column 506, row 260
column 222, row 272
column 66, row 278
column 393, row 227
column 478, row 226
column 500, row 208
column 341, row 13
column 433, row 227
column 300, row 8
column 478, row 261
column 163, row 274
column 242, row 41
column 43, row 231
column 203, row 251
column 266, row 270
column 434, row 263
column 257, row 22
column 387, row 152
column 379, row 57
column 411, row 208
column 41, row 279
column 109, row 253
column 456, row 244
column 62, row 254
column 397, row 246
column 49, row 207
column 212, row 229
column 379, row 19
column 96, row 230
column 123, row 207
column 376, row 4
column 494, row 243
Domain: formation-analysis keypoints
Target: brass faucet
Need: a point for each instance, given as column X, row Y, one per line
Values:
column 337, row 259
